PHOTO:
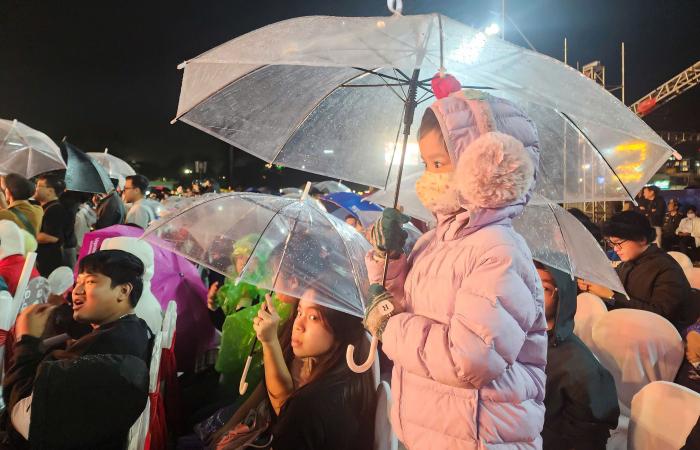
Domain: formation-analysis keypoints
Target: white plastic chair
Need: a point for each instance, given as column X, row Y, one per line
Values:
column 589, row 308
column 682, row 259
column 139, row 430
column 663, row 414
column 169, row 322
column 637, row 347
column 384, row 437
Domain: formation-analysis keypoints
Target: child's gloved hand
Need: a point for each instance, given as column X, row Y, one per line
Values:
column 388, row 235
column 381, row 308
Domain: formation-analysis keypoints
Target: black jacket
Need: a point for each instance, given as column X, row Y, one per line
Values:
column 656, row 282
column 580, row 396
column 86, row 396
column 656, row 211
column 110, row 211
column 325, row 414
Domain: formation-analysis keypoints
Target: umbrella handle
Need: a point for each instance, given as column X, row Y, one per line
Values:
column 350, row 357
column 243, row 385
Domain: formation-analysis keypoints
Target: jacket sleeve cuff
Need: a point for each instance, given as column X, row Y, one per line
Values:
column 391, row 335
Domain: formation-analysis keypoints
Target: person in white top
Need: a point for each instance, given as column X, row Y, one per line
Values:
column 142, row 211
column 689, row 232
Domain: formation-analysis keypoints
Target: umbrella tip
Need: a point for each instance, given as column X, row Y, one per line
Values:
column 181, row 65
column 305, row 194
column 172, row 122
column 106, row 149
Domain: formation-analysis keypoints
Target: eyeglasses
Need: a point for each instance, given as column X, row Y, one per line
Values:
column 615, row 244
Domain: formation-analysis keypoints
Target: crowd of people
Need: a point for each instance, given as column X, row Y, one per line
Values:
column 480, row 339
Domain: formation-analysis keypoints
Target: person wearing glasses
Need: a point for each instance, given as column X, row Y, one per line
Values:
column 653, row 280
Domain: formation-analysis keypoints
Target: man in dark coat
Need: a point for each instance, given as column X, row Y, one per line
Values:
column 655, row 211
column 673, row 218
column 580, row 396
column 88, row 394
column 653, row 280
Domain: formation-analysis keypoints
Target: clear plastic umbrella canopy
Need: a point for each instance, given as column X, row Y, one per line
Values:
column 330, row 186
column 276, row 243
column 554, row 236
column 115, row 167
column 327, row 95
column 26, row 151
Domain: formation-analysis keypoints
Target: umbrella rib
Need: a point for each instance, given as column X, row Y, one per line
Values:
column 418, row 84
column 347, row 252
column 276, row 213
column 396, row 144
column 316, row 105
column 585, row 136
column 563, row 238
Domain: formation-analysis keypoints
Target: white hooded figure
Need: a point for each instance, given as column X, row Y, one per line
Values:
column 148, row 307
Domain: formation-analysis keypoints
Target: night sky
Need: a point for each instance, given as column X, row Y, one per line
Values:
column 104, row 73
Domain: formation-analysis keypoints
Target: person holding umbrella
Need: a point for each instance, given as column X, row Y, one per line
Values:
column 462, row 318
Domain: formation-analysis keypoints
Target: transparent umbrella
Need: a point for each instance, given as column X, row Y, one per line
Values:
column 554, row 236
column 329, row 187
column 284, row 238
column 328, row 95
column 26, row 151
column 115, row 167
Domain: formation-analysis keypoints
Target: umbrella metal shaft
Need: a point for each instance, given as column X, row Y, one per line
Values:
column 409, row 112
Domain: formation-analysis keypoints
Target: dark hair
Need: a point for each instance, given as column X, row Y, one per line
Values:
column 629, row 225
column 691, row 207
column 346, row 330
column 119, row 266
column 139, row 181
column 54, row 182
column 20, row 187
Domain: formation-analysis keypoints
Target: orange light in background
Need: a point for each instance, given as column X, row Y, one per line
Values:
column 631, row 172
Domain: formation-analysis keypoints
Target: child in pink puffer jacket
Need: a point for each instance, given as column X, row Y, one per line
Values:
column 468, row 336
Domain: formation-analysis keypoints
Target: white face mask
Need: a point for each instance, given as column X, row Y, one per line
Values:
column 436, row 192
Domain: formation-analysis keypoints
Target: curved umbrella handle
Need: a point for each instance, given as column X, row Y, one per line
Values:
column 350, row 357
column 243, row 385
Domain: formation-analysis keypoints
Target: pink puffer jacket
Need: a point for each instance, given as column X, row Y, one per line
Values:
column 469, row 352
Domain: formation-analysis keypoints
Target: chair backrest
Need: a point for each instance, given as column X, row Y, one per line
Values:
column 693, row 275
column 589, row 308
column 139, row 430
column 169, row 322
column 682, row 259
column 663, row 414
column 637, row 347
column 384, row 437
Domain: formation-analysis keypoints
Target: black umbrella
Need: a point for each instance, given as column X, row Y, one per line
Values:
column 83, row 174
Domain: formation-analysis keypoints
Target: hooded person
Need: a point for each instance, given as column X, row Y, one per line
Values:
column 580, row 399
column 637, row 347
column 463, row 318
column 148, row 308
column 12, row 251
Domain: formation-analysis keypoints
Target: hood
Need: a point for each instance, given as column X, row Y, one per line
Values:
column 566, row 308
column 136, row 247
column 464, row 118
column 11, row 239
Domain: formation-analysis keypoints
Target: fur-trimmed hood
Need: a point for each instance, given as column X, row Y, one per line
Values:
column 492, row 177
column 464, row 117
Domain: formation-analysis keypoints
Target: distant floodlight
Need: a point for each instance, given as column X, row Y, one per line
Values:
column 492, row 29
